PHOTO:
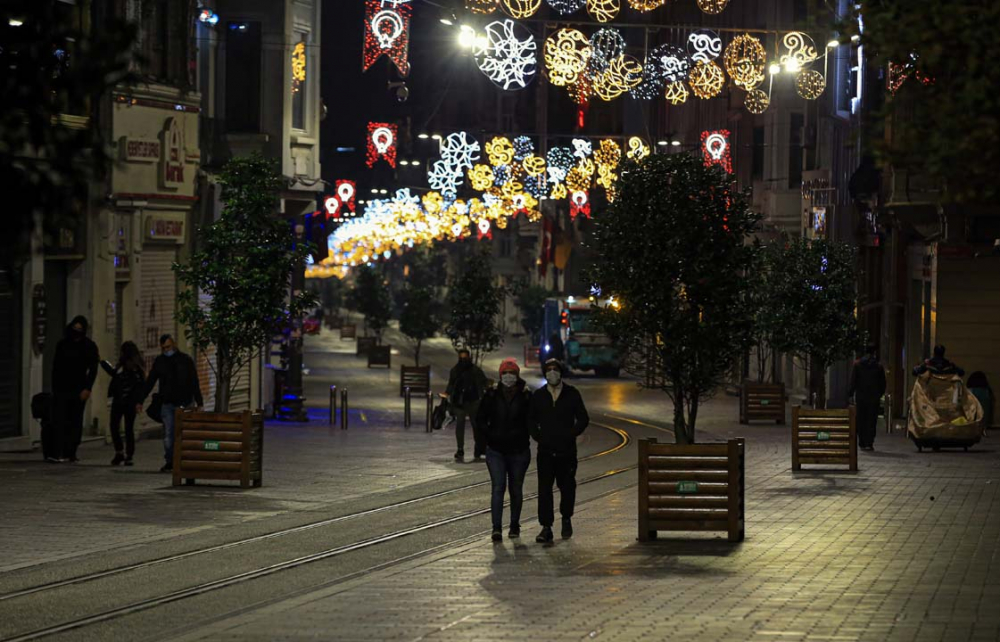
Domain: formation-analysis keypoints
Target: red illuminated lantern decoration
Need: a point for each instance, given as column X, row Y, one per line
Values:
column 387, row 33
column 579, row 203
column 715, row 149
column 381, row 143
column 346, row 191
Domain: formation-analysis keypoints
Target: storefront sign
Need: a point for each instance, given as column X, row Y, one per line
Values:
column 172, row 163
column 165, row 227
column 139, row 150
column 38, row 319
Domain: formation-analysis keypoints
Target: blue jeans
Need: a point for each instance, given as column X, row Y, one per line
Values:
column 506, row 469
column 167, row 415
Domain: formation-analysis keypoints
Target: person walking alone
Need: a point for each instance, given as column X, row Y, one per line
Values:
column 503, row 421
column 179, row 388
column 557, row 417
column 466, row 384
column 867, row 388
column 125, row 390
column 73, row 373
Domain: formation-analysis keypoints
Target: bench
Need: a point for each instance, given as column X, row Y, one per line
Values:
column 364, row 345
column 696, row 487
column 348, row 331
column 380, row 356
column 762, row 402
column 416, row 378
column 826, row 437
column 217, row 445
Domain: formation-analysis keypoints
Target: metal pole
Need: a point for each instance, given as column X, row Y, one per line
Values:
column 430, row 411
column 887, row 410
column 343, row 409
column 406, row 407
column 812, row 396
column 333, row 403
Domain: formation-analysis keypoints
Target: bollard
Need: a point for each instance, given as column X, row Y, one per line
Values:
column 406, row 407
column 343, row 409
column 333, row 403
column 430, row 412
column 887, row 410
column 812, row 396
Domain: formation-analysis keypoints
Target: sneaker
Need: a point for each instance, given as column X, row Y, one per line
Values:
column 52, row 460
column 119, row 458
column 167, row 468
column 497, row 535
column 514, row 532
column 128, row 461
column 459, row 455
column 545, row 536
column 478, row 459
column 567, row 529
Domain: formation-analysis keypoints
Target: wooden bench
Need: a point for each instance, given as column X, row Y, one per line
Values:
column 380, row 356
column 762, row 402
column 364, row 345
column 697, row 487
column 824, row 437
column 348, row 331
column 214, row 445
column 416, row 378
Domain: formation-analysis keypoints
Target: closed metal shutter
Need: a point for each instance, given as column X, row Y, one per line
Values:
column 10, row 371
column 205, row 361
column 157, row 300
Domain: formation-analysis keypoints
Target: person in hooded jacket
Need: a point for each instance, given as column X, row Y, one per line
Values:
column 867, row 388
column 125, row 392
column 73, row 373
column 466, row 385
column 503, row 421
column 557, row 417
column 938, row 364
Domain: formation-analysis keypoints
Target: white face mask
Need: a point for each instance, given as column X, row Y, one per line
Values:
column 553, row 377
column 508, row 379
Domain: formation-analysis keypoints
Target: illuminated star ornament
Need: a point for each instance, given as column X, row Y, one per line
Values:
column 387, row 33
column 715, row 149
column 381, row 143
column 507, row 55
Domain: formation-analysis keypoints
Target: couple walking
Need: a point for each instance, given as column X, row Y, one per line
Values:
column 508, row 416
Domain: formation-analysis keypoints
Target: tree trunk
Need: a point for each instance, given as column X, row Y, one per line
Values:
column 692, row 418
column 416, row 353
column 224, row 378
column 817, row 381
column 681, row 435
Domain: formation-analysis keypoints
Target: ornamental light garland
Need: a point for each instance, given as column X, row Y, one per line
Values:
column 810, row 84
column 800, row 50
column 521, row 9
column 500, row 151
column 745, row 60
column 677, row 93
column 713, row 7
column 757, row 101
column 523, row 147
column 566, row 7
column 707, row 79
column 646, row 5
column 704, row 45
column 387, row 33
column 623, row 74
column 507, row 57
column 715, row 149
column 566, row 54
column 637, row 149
column 481, row 177
column 484, row 7
column 381, row 143
column 603, row 10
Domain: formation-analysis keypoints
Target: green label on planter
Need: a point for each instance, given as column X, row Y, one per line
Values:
column 211, row 445
column 765, row 402
column 687, row 487
column 822, row 436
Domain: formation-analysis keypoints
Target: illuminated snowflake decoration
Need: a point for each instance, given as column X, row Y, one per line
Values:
column 506, row 59
column 523, row 147
column 582, row 148
column 459, row 152
column 566, row 7
column 442, row 177
column 704, row 45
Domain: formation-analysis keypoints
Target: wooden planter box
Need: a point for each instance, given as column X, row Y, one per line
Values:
column 696, row 487
column 762, row 402
column 380, row 356
column 364, row 345
column 348, row 331
column 215, row 445
column 416, row 378
column 826, row 437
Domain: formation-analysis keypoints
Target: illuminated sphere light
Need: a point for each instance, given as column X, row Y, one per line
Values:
column 566, row 7
column 757, row 101
column 704, row 45
column 624, row 73
column 481, row 177
column 707, row 80
column 646, row 5
column 608, row 153
column 673, row 62
column 560, row 159
column 577, row 180
column 481, row 6
column 537, row 186
column 603, row 10
column 800, row 49
column 582, row 148
column 500, row 151
column 637, row 149
column 533, row 165
column 523, row 147
column 745, row 61
column 652, row 82
column 810, row 84
column 713, row 7
column 506, row 57
column 501, row 175
column 521, row 9
column 606, row 45
column 566, row 54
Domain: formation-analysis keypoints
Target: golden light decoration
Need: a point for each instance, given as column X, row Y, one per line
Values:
column 578, row 180
column 586, row 167
column 501, row 223
column 608, row 154
column 481, row 6
column 606, row 176
column 558, row 192
column 500, row 151
column 707, row 79
column 801, row 50
column 432, row 202
column 481, row 177
column 677, row 93
column 745, row 60
column 757, row 101
column 623, row 73
column 534, row 165
column 520, row 9
column 810, row 84
column 566, row 54
column 637, row 149
column 603, row 10
column 581, row 90
column 298, row 66
column 646, row 5
column 713, row 7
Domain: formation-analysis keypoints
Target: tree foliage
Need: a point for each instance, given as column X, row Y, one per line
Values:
column 946, row 114
column 419, row 320
column 531, row 300
column 243, row 264
column 672, row 252
column 475, row 303
column 371, row 296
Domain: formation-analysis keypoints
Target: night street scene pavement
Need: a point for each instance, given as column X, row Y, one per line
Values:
column 499, row 320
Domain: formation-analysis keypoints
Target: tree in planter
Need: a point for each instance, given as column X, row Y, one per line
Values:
column 475, row 303
column 531, row 300
column 760, row 295
column 672, row 252
column 371, row 296
column 812, row 310
column 418, row 321
column 243, row 265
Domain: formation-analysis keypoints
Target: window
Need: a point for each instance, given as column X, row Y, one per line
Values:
column 795, row 151
column 243, row 77
column 162, row 43
column 300, row 57
column 757, row 160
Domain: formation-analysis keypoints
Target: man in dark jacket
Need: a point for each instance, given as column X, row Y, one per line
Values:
column 557, row 418
column 938, row 365
column 503, row 421
column 179, row 388
column 466, row 385
column 73, row 374
column 867, row 388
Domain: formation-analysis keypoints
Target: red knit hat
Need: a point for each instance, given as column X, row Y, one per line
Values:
column 510, row 365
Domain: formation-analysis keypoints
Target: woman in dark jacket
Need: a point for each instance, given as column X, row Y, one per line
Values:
column 503, row 417
column 125, row 392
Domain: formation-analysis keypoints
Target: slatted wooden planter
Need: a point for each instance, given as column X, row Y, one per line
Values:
column 416, row 378
column 364, row 345
column 348, row 331
column 216, row 445
column 380, row 356
column 827, row 437
column 762, row 402
column 696, row 487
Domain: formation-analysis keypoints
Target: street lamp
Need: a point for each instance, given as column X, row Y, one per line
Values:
column 775, row 69
column 833, row 44
column 675, row 143
column 423, row 136
column 466, row 36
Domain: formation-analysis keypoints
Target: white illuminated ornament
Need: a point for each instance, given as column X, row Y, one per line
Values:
column 443, row 178
column 387, row 38
column 332, row 205
column 345, row 191
column 801, row 51
column 382, row 139
column 509, row 61
column 704, row 45
column 715, row 145
column 582, row 148
column 484, row 226
column 457, row 150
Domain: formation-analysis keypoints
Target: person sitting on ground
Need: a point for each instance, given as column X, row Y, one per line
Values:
column 980, row 387
column 938, row 365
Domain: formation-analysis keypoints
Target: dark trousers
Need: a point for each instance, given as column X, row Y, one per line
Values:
column 68, row 423
column 461, row 414
column 507, row 471
column 127, row 412
column 560, row 469
column 867, row 419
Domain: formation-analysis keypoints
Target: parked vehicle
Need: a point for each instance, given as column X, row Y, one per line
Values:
column 584, row 346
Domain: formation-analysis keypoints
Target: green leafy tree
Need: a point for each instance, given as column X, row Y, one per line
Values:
column 418, row 321
column 475, row 303
column 811, row 313
column 760, row 295
column 672, row 252
column 373, row 301
column 244, row 265
column 531, row 300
